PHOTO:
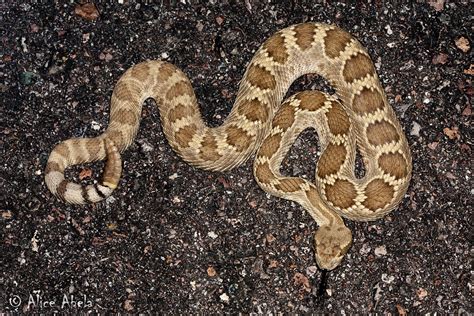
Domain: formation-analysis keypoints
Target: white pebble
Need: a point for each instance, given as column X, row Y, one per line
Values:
column 145, row 146
column 387, row 278
column 213, row 235
column 380, row 251
column 34, row 242
column 172, row 233
column 311, row 270
column 224, row 297
column 110, row 200
column 415, row 130
column 365, row 249
column 95, row 125
column 21, row 260
column 23, row 44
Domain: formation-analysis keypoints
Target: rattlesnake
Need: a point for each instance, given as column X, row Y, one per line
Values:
column 259, row 121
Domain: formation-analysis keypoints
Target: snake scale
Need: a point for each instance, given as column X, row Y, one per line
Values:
column 261, row 122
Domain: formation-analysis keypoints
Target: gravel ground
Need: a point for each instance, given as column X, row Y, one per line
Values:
column 174, row 238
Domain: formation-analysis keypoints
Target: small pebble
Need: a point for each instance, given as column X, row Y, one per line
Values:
column 311, row 270
column 365, row 249
column 145, row 146
column 213, row 235
column 415, row 130
column 387, row 278
column 23, row 45
column 380, row 251
column 95, row 126
column 421, row 293
column 199, row 26
column 27, row 77
column 224, row 297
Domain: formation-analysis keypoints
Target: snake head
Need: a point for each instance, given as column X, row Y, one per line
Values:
column 331, row 245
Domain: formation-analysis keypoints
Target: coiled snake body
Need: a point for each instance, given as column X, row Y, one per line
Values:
column 261, row 123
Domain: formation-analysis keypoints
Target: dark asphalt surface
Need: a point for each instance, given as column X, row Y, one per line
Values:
column 177, row 239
